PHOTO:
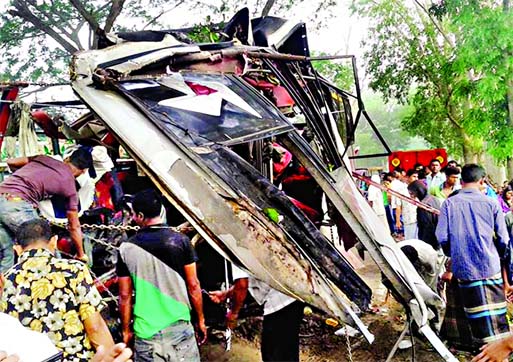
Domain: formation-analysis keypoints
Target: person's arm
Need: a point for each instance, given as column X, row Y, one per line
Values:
column 398, row 210
column 118, row 353
column 125, row 307
column 97, row 331
column 194, row 290
column 219, row 296
column 497, row 351
column 239, row 293
column 18, row 162
column 75, row 232
column 442, row 229
column 501, row 233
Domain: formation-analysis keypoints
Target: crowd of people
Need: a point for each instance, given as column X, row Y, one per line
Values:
column 160, row 297
column 467, row 225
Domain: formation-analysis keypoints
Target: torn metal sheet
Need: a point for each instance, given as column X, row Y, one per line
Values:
column 341, row 190
column 224, row 217
column 189, row 152
column 234, row 118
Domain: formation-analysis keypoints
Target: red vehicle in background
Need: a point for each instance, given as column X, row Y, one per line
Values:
column 407, row 159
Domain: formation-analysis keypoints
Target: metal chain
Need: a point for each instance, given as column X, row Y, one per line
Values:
column 110, row 227
column 122, row 227
column 348, row 342
column 101, row 242
column 103, row 278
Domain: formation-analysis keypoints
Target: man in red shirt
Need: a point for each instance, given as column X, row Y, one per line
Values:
column 35, row 179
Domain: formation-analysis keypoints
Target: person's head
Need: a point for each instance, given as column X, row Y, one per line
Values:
column 434, row 166
column 388, row 177
column 35, row 233
column 411, row 253
column 418, row 166
column 507, row 193
column 417, row 189
column 398, row 173
column 452, row 163
column 472, row 174
column 412, row 175
column 79, row 161
column 146, row 206
column 451, row 176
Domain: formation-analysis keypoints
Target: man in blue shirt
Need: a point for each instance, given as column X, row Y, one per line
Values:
column 472, row 231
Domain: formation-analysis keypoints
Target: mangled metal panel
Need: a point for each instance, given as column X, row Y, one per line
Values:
column 213, row 189
column 228, row 219
column 203, row 109
column 340, row 188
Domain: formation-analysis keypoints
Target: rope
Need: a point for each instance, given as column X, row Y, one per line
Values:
column 38, row 104
column 23, row 84
column 397, row 194
column 348, row 342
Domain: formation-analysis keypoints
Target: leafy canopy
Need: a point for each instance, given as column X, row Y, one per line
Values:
column 38, row 37
column 438, row 58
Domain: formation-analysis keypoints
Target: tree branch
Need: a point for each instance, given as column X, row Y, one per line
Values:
column 435, row 23
column 52, row 21
column 24, row 13
column 77, row 4
column 267, row 7
column 162, row 13
column 115, row 10
column 22, row 37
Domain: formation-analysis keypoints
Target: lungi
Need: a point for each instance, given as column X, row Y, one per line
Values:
column 484, row 304
column 455, row 328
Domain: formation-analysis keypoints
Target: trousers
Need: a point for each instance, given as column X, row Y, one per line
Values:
column 175, row 343
column 280, row 333
column 13, row 213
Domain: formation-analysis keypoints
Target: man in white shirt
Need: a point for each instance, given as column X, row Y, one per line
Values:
column 396, row 203
column 436, row 177
column 409, row 210
column 375, row 198
column 282, row 315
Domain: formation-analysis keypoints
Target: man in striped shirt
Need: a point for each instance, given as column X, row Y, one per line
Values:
column 160, row 265
column 472, row 231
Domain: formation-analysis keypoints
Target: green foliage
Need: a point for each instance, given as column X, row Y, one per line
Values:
column 41, row 49
column 205, row 33
column 38, row 37
column 341, row 74
column 387, row 118
column 451, row 62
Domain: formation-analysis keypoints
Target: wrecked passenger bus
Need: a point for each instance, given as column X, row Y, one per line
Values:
column 215, row 125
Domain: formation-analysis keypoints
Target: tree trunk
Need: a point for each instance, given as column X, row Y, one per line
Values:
column 509, row 99
column 509, row 168
column 469, row 154
column 267, row 7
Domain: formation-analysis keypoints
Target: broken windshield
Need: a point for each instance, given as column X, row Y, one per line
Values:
column 203, row 109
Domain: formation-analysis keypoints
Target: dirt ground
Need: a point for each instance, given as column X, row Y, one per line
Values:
column 319, row 343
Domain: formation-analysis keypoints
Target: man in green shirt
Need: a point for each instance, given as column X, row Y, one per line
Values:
column 451, row 184
column 160, row 265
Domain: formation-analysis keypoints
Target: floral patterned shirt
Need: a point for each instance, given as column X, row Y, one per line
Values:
column 53, row 296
